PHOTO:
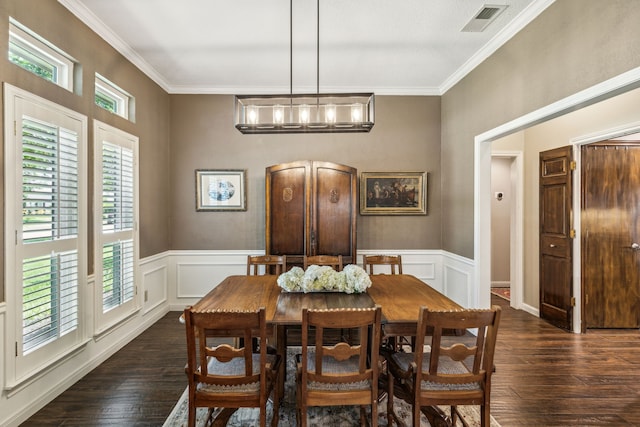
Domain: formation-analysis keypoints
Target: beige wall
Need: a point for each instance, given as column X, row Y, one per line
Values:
column 406, row 137
column 501, row 219
column 571, row 46
column 56, row 24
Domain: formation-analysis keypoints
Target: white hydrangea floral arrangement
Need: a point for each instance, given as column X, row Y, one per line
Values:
column 351, row 280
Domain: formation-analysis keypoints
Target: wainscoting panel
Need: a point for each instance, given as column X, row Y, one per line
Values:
column 197, row 272
column 154, row 285
column 458, row 273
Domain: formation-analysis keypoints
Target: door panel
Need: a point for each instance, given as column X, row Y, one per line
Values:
column 333, row 212
column 610, row 226
column 286, row 202
column 556, row 291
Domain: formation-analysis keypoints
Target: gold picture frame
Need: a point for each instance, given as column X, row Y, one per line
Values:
column 393, row 193
column 221, row 190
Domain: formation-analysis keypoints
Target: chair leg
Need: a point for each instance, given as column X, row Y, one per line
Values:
column 276, row 405
column 374, row 411
column 192, row 416
column 454, row 415
column 415, row 409
column 390, row 414
column 485, row 415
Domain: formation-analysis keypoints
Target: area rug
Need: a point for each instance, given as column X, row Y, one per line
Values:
column 336, row 416
column 504, row 293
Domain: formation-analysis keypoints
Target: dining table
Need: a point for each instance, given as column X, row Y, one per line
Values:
column 399, row 295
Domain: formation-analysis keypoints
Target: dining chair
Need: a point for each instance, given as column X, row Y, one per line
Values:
column 273, row 264
column 330, row 374
column 395, row 264
column 394, row 261
column 334, row 261
column 453, row 371
column 226, row 375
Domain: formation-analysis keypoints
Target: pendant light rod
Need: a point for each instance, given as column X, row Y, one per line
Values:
column 318, row 47
column 291, row 60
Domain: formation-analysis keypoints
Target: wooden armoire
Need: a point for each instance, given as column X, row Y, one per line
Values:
column 311, row 209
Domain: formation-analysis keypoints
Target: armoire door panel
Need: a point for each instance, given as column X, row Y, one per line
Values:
column 286, row 211
column 331, row 216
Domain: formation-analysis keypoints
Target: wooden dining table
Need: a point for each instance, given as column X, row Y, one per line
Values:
column 399, row 295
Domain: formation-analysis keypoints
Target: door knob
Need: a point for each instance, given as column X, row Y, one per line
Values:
column 552, row 245
column 635, row 247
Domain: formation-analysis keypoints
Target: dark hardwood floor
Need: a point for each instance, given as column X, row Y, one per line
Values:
column 544, row 377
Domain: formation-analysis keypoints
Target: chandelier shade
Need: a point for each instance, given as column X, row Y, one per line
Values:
column 304, row 113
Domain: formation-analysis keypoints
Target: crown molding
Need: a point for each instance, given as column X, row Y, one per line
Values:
column 100, row 28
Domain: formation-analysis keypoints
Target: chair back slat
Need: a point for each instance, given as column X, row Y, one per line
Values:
column 334, row 261
column 273, row 264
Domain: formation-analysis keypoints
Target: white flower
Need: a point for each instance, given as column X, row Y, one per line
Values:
column 291, row 280
column 352, row 279
column 357, row 280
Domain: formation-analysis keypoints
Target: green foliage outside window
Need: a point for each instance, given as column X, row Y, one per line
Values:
column 37, row 69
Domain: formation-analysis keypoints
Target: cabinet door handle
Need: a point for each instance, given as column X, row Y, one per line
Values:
column 552, row 245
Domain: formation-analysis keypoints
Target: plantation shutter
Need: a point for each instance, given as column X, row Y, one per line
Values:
column 117, row 215
column 116, row 193
column 49, row 216
column 45, row 215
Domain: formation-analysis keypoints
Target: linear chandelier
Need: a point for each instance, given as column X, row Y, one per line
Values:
column 304, row 113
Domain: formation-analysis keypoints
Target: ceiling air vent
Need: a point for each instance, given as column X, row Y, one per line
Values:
column 487, row 14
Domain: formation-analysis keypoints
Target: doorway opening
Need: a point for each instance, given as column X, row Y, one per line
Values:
column 482, row 179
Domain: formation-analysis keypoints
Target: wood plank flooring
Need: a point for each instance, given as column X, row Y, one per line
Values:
column 544, row 377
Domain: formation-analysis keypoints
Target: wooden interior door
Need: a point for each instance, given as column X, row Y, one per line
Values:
column 610, row 224
column 556, row 288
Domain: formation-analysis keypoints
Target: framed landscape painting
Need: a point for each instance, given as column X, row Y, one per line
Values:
column 393, row 193
column 221, row 190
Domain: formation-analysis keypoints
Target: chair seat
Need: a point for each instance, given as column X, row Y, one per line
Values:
column 446, row 366
column 235, row 367
column 334, row 367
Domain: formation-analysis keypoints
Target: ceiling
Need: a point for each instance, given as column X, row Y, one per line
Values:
column 401, row 47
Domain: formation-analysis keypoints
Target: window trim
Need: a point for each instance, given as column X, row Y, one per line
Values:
column 108, row 89
column 44, row 51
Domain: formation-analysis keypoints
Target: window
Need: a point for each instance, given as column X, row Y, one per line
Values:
column 116, row 233
column 35, row 54
column 45, row 185
column 111, row 97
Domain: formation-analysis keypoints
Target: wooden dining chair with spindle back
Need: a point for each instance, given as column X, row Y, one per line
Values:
column 452, row 371
column 329, row 374
column 230, row 375
column 393, row 264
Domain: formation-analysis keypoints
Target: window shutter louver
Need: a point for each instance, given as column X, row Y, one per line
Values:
column 117, row 254
column 49, row 215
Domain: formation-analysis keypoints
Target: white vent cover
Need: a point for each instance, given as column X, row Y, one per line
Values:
column 485, row 16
